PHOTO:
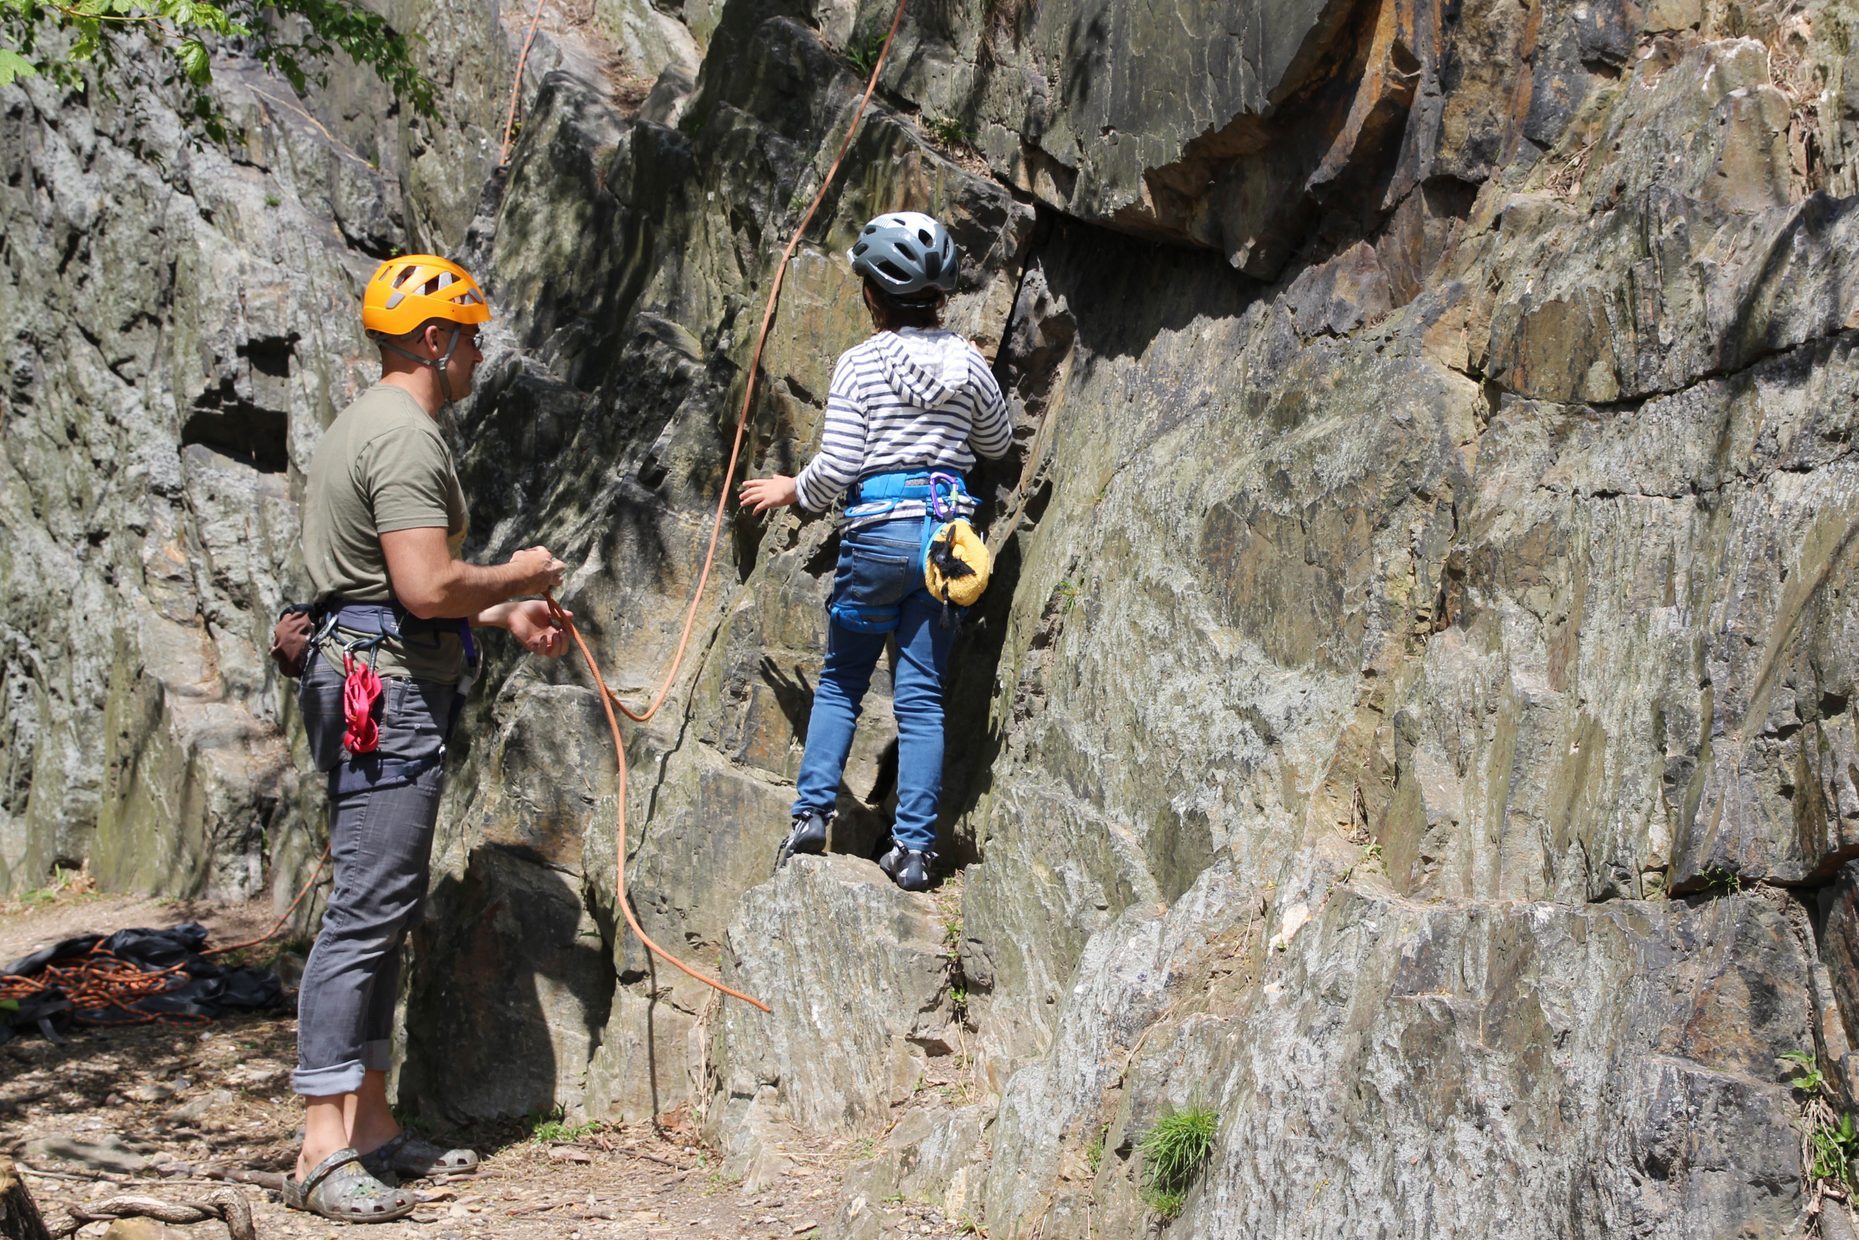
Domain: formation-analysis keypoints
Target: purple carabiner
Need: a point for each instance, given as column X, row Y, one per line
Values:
column 944, row 510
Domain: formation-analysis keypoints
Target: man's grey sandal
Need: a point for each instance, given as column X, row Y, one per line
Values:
column 415, row 1158
column 340, row 1188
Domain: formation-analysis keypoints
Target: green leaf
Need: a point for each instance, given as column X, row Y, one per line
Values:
column 13, row 67
column 195, row 61
column 7, row 1005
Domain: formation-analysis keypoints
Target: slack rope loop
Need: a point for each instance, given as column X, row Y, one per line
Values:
column 610, row 700
column 619, row 750
column 277, row 927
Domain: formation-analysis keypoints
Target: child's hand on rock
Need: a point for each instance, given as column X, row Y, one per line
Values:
column 761, row 494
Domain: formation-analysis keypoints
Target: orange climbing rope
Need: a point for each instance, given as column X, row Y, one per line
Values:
column 516, row 86
column 99, row 981
column 277, row 926
column 608, row 699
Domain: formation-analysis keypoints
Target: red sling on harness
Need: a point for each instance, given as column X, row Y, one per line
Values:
column 361, row 692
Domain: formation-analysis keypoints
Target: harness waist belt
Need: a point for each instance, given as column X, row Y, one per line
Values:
column 903, row 484
column 392, row 620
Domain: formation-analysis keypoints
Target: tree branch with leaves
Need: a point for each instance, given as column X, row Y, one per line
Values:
column 294, row 38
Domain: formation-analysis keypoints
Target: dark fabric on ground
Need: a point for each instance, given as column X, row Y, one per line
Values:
column 198, row 989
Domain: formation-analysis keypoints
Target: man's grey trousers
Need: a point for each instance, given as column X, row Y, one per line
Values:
column 381, row 842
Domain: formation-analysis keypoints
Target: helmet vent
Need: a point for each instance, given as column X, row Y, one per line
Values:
column 410, row 289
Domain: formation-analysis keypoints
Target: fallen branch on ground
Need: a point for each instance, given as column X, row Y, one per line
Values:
column 224, row 1204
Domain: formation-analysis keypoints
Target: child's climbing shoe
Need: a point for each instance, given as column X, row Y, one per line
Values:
column 909, row 868
column 807, row 835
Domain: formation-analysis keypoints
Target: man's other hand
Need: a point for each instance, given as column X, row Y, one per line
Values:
column 531, row 623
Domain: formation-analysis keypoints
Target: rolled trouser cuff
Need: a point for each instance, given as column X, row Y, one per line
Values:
column 377, row 1056
column 342, row 1078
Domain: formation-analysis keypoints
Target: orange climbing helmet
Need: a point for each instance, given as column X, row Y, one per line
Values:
column 407, row 291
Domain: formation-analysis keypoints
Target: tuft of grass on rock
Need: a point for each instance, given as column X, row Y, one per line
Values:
column 556, row 1127
column 862, row 51
column 948, row 131
column 1174, row 1150
column 1094, row 1152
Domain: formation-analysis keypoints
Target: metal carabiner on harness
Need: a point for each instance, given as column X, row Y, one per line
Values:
column 944, row 509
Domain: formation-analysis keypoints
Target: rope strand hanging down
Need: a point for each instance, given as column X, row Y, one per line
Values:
column 610, row 700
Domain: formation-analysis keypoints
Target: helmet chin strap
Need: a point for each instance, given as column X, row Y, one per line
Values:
column 436, row 364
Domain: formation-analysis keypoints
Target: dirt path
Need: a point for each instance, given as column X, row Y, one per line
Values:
column 175, row 1102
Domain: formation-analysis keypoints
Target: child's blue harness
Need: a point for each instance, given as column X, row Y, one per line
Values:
column 936, row 496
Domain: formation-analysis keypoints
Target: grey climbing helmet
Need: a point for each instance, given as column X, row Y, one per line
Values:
column 905, row 253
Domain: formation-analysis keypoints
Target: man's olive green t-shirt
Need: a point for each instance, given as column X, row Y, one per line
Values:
column 381, row 466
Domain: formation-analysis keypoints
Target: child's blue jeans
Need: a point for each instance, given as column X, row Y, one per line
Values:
column 879, row 583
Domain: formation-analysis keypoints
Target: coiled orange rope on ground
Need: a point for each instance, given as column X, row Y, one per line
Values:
column 100, row 981
column 608, row 699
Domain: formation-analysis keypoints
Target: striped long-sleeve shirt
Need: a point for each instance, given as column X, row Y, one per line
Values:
column 910, row 399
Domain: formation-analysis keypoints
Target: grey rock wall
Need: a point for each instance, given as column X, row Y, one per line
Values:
column 1413, row 716
column 178, row 329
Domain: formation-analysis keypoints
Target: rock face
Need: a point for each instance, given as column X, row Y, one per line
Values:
column 1413, row 717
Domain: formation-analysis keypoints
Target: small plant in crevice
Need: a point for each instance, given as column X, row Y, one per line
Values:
column 1094, row 1152
column 1174, row 1150
column 1832, row 1148
column 947, row 131
column 1807, row 1075
column 1721, row 882
column 1370, row 859
column 1830, row 1140
column 862, row 51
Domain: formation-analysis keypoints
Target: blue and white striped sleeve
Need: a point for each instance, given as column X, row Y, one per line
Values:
column 992, row 432
column 842, row 442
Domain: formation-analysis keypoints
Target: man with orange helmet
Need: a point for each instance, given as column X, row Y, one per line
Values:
column 391, row 657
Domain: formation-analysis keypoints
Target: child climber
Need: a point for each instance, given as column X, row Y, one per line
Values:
column 907, row 411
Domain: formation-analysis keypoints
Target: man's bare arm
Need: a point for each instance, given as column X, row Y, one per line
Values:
column 432, row 585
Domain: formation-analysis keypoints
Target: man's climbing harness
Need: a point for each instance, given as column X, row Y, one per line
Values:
column 301, row 632
column 608, row 700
